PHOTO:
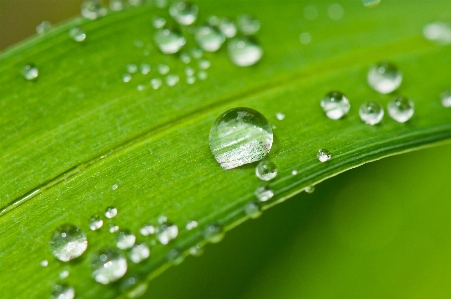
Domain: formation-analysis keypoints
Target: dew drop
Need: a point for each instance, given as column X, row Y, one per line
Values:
column 92, row 9
column 214, row 233
column 189, row 71
column 240, row 136
column 156, row 83
column 62, row 291
column 114, row 187
column 305, row 38
column 125, row 239
column 371, row 3
column 253, row 209
column 190, row 80
column 44, row 263
column 438, row 32
column 294, row 172
column 446, row 98
column 204, row 64
column 202, row 75
column 161, row 3
column 185, row 13
column 117, row 5
column 77, row 34
column 43, row 27
column 196, row 53
column 126, row 78
column 163, row 69
column 172, row 79
column 191, row 225
column 114, row 228
column 139, row 252
column 145, row 68
column 244, row 51
column 169, row 41
column 264, row 193
column 196, row 250
column 324, row 155
column 371, row 113
column 147, row 230
column 185, row 58
column 175, row 256
column 30, row 72
column 135, row 2
column 266, row 170
column 95, row 222
column 384, row 77
column 209, row 39
column 335, row 11
column 110, row 212
column 213, row 21
column 108, row 266
column 310, row 12
column 158, row 22
column 400, row 109
column 309, row 189
column 227, row 27
column 335, row 104
column 64, row 274
column 68, row 242
column 167, row 232
column 131, row 68
column 133, row 286
column 280, row 116
column 247, row 24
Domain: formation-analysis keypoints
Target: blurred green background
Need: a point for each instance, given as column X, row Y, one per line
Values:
column 379, row 231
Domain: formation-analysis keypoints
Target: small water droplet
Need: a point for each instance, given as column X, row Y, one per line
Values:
column 244, row 51
column 114, row 187
column 253, row 209
column 209, row 38
column 135, row 2
column 310, row 12
column 145, row 68
column 294, row 172
column 202, row 75
column 126, row 78
column 68, row 242
column 189, row 71
column 175, row 256
column 185, row 13
column 191, row 80
column 125, row 239
column 110, row 212
column 158, row 22
column 400, row 109
column 140, row 87
column 280, row 116
column 117, row 5
column 113, row 228
column 185, row 58
column 438, row 32
column 77, row 34
column 196, row 250
column 163, row 69
column 305, row 38
column 227, row 27
column 95, row 222
column 384, row 77
column 139, row 252
column 371, row 113
column 161, row 3
column 169, row 41
column 191, row 225
column 62, row 291
column 247, row 24
column 156, row 83
column 266, row 170
column 204, row 64
column 335, row 104
column 43, row 27
column 167, row 232
column 371, row 3
column 214, row 233
column 147, row 230
column 64, row 274
column 30, row 72
column 92, row 9
column 131, row 68
column 335, row 11
column 133, row 286
column 446, row 98
column 196, row 53
column 172, row 79
column 44, row 263
column 264, row 193
column 309, row 189
column 324, row 155
column 240, row 136
column 108, row 266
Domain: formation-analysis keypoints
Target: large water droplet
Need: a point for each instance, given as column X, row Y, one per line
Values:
column 371, row 3
column 324, row 155
column 43, row 27
column 244, row 51
column 400, row 109
column 185, row 13
column 77, row 34
column 335, row 104
column 264, row 193
column 253, row 209
column 62, row 291
column 371, row 113
column 68, row 242
column 95, row 222
column 240, row 136
column 384, row 77
column 110, row 212
column 167, row 232
column 446, row 98
column 108, row 266
column 209, row 38
column 227, row 27
column 30, row 72
column 266, row 170
column 214, row 233
column 125, row 239
column 169, row 41
column 247, row 24
column 139, row 252
column 92, row 9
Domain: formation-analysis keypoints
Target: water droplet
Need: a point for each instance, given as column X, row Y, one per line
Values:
column 214, row 233
column 204, row 64
column 305, row 38
column 185, row 58
column 310, row 12
column 114, row 228
column 30, row 72
column 227, row 27
column 280, row 116
column 43, row 27
column 133, row 286
column 95, row 222
column 135, row 2
column 309, row 189
column 371, row 3
column 68, row 242
column 139, row 252
column 264, row 193
column 196, row 250
column 167, row 232
column 158, row 22
column 175, row 256
column 400, row 109
column 335, row 104
column 77, row 34
column 294, row 172
column 125, row 239
column 64, row 274
column 266, row 170
column 253, row 209
column 384, row 77
column 240, row 136
column 92, row 9
column 156, row 83
column 44, row 263
column 244, row 51
column 190, row 80
column 189, row 71
column 438, row 32
column 196, row 53
column 108, row 266
column 161, row 3
column 62, row 291
column 114, row 187
column 110, row 212
column 172, row 79
column 247, row 24
column 335, row 11
column 371, row 113
column 446, row 98
column 131, row 68
column 209, row 38
column 140, row 87
column 324, row 155
column 117, row 5
column 185, row 13
column 169, row 41
column 191, row 225
column 163, row 69
column 202, row 75
column 145, row 68
column 147, row 230
column 126, row 78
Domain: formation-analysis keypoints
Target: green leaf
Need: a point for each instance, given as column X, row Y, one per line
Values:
column 77, row 130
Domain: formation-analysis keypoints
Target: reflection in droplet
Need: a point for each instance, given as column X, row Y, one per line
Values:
column 68, row 242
